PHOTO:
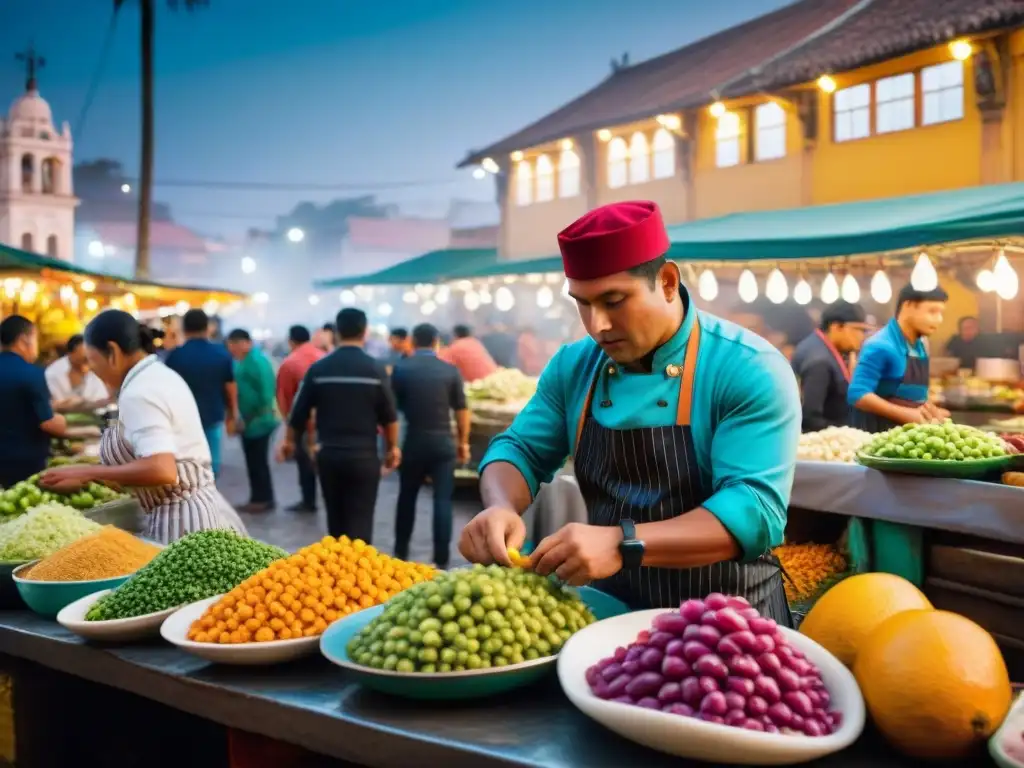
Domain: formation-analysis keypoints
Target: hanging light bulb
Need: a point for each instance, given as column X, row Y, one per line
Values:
column 545, row 297
column 986, row 281
column 503, row 299
column 924, row 277
column 428, row 307
column 707, row 285
column 1006, row 279
column 850, row 289
column 410, row 297
column 802, row 292
column 747, row 286
column 776, row 289
column 443, row 292
column 881, row 288
column 830, row 289
column 485, row 296
column 471, row 301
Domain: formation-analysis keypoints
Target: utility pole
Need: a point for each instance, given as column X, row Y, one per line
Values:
column 146, row 43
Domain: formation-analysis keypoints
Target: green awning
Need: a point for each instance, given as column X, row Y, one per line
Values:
column 436, row 266
column 515, row 267
column 850, row 229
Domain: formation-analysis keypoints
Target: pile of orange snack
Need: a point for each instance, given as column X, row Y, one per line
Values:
column 300, row 595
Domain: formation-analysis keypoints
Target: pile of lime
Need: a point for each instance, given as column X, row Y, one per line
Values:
column 935, row 442
column 25, row 495
column 471, row 619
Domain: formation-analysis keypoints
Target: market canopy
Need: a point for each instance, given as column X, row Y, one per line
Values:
column 851, row 229
column 432, row 267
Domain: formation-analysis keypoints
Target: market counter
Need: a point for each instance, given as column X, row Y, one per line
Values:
column 313, row 705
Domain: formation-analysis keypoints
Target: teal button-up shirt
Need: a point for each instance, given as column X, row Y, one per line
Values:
column 745, row 421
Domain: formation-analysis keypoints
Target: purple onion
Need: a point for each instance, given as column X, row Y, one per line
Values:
column 660, row 639
column 707, row 684
column 692, row 610
column 814, row 697
column 735, row 700
column 593, row 675
column 649, row 702
column 714, row 703
column 642, row 637
column 823, row 695
column 617, row 687
column 757, row 706
column 746, row 640
column 737, row 602
column 800, row 666
column 715, row 600
column 693, row 650
column 770, row 727
column 674, row 647
column 735, row 717
column 685, row 710
column 708, row 635
column 780, row 714
column 691, row 691
column 602, row 690
column 612, row 671
column 814, row 728
column 710, row 618
column 631, row 667
column 729, row 620
column 836, row 718
column 670, row 693
column 763, row 626
column 620, row 654
column 788, row 680
column 742, row 685
column 798, row 702
column 711, row 665
column 753, row 725
column 707, row 717
column 728, row 647
column 744, row 666
column 692, row 632
column 675, row 668
column 797, row 723
column 767, row 688
column 765, row 644
column 671, row 623
column 769, row 663
column 650, row 660
column 644, row 684
column 749, row 613
column 634, row 653
column 623, row 700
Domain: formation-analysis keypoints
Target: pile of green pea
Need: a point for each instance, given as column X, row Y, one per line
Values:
column 470, row 619
column 935, row 442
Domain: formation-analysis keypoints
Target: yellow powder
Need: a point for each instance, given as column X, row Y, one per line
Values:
column 102, row 555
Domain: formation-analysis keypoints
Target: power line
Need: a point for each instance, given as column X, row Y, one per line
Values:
column 97, row 74
column 301, row 187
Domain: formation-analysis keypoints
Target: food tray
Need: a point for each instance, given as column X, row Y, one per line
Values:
column 126, row 514
column 971, row 469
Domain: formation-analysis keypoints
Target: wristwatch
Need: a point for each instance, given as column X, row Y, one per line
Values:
column 631, row 548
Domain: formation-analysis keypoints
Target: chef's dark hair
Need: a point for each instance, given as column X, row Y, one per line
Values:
column 13, row 328
column 351, row 324
column 462, row 331
column 841, row 313
column 298, row 334
column 74, row 343
column 911, row 295
column 649, row 270
column 424, row 336
column 114, row 327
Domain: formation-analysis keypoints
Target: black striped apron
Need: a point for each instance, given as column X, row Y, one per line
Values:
column 651, row 474
column 917, row 372
column 192, row 504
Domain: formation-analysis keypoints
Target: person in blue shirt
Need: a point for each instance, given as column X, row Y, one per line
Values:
column 889, row 386
column 209, row 371
column 27, row 420
column 683, row 430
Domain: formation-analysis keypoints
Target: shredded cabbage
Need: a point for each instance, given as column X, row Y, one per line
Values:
column 42, row 531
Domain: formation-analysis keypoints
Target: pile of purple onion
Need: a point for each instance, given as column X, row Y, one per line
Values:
column 719, row 660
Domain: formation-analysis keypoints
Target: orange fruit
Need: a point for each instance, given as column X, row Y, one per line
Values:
column 845, row 615
column 934, row 682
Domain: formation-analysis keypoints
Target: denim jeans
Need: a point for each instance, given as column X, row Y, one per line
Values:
column 415, row 469
column 214, row 438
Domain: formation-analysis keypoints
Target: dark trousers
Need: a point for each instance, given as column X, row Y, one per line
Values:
column 307, row 472
column 349, row 484
column 257, row 463
column 417, row 466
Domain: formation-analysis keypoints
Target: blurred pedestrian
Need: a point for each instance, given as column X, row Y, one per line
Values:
column 257, row 420
column 289, row 376
column 469, row 355
column 428, row 391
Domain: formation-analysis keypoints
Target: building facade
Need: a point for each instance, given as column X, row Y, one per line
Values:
column 37, row 201
column 823, row 101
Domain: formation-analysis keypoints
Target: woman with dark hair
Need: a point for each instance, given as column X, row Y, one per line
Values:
column 157, row 448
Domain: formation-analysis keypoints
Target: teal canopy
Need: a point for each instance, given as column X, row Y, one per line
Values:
column 432, row 267
column 851, row 229
column 515, row 267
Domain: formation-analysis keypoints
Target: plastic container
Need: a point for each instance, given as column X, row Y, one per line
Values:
column 47, row 598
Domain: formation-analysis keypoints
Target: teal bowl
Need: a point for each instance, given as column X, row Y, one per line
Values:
column 47, row 598
column 448, row 686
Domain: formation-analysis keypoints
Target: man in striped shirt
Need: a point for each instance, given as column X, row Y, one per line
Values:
column 351, row 396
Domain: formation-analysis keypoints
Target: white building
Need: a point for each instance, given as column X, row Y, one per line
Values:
column 37, row 203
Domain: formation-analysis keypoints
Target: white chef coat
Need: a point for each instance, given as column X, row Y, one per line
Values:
column 93, row 390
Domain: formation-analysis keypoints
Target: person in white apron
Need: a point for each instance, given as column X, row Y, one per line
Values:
column 683, row 428
column 156, row 449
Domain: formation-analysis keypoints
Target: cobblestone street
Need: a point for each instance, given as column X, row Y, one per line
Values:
column 292, row 530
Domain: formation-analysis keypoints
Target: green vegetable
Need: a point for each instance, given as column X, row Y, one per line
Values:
column 42, row 531
column 936, row 442
column 195, row 567
column 27, row 494
column 471, row 619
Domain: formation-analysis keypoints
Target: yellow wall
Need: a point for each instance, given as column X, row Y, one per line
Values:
column 531, row 230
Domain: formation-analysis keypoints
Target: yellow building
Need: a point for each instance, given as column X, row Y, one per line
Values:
column 822, row 101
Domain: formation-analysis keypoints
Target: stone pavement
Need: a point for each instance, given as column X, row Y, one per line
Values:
column 292, row 530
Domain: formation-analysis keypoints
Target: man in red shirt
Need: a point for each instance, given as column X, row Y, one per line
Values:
column 469, row 355
column 289, row 377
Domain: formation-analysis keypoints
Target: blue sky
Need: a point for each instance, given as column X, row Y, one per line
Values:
column 333, row 91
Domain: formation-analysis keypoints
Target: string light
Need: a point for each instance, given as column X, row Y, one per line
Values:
column 850, row 290
column 707, row 285
column 1006, row 279
column 776, row 288
column 830, row 289
column 924, row 277
column 802, row 292
column 545, row 297
column 881, row 288
column 986, row 281
column 747, row 286
column 471, row 301
column 503, row 299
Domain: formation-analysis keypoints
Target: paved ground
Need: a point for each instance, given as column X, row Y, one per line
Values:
column 292, row 530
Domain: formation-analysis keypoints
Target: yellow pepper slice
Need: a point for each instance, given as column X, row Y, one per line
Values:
column 518, row 560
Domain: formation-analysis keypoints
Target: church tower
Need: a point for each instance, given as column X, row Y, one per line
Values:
column 37, row 203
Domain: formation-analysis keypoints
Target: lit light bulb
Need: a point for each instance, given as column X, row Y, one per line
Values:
column 471, row 301
column 385, row 309
column 503, row 299
column 850, row 289
column 881, row 288
column 442, row 295
column 776, row 289
column 802, row 292
column 830, row 289
column 747, row 286
column 565, row 289
column 410, row 297
column 707, row 285
column 347, row 297
column 485, row 296
column 428, row 307
column 545, row 297
column 924, row 277
column 314, row 299
column 986, row 281
column 1006, row 279
column 248, row 264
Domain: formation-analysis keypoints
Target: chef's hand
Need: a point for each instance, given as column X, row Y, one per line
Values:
column 66, row 479
column 579, row 553
column 488, row 536
column 934, row 412
column 285, row 450
column 462, row 453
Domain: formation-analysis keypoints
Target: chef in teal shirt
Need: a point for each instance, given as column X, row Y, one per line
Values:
column 683, row 429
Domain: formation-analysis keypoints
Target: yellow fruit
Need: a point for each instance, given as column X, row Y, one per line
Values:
column 845, row 615
column 934, row 682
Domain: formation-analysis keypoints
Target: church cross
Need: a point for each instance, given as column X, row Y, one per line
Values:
column 33, row 63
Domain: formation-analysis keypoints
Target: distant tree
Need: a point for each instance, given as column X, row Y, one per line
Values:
column 146, row 42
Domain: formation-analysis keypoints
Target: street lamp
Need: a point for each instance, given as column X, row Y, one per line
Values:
column 248, row 265
column 295, row 235
column 126, row 188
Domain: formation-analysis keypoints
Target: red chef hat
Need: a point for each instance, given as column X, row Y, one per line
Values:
column 613, row 238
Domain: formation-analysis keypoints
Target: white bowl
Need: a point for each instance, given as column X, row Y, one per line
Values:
column 175, row 630
column 72, row 617
column 688, row 736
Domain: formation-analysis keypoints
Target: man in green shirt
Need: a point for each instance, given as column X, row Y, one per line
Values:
column 257, row 391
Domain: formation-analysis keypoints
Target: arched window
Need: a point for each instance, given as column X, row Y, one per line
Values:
column 618, row 157
column 545, row 179
column 51, row 246
column 26, row 242
column 568, row 173
column 50, row 171
column 524, row 183
column 28, row 171
column 639, row 159
column 770, row 123
column 664, row 154
column 727, row 140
